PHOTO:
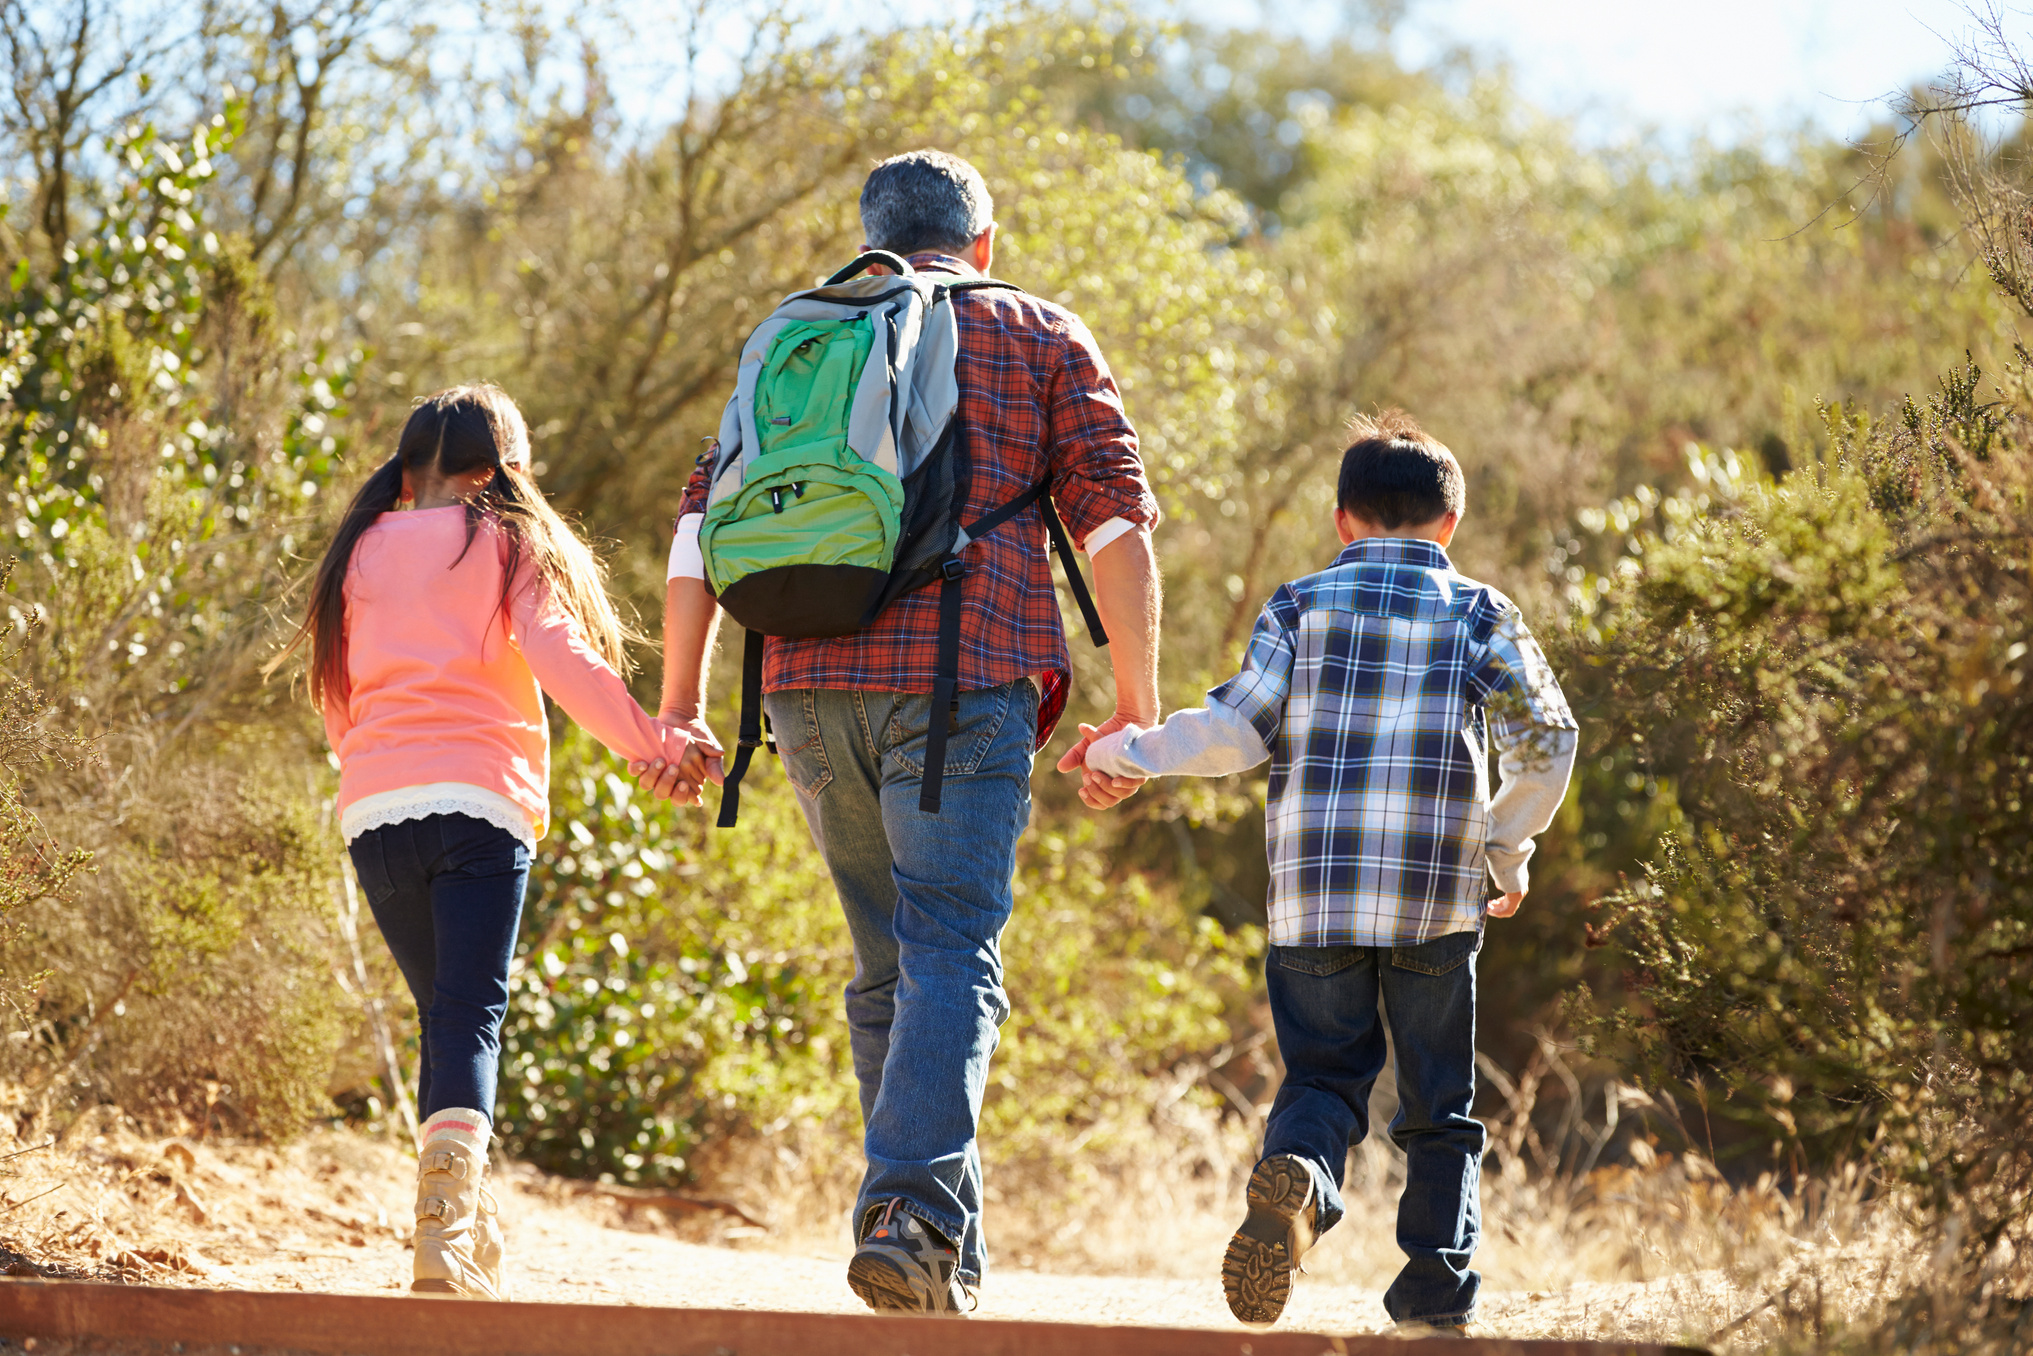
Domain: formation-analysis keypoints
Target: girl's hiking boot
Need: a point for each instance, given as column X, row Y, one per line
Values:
column 459, row 1243
column 1256, row 1275
column 904, row 1265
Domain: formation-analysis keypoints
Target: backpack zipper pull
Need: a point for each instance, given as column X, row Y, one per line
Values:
column 776, row 500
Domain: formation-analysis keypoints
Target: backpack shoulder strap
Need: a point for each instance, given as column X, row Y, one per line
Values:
column 894, row 263
column 942, row 290
column 751, row 730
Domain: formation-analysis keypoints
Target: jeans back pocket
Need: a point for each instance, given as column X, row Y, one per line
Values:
column 1439, row 955
column 794, row 724
column 1315, row 960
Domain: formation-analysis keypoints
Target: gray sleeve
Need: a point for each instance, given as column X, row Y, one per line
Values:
column 1534, row 773
column 1209, row 741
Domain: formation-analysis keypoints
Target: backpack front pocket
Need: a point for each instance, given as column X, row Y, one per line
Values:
column 805, row 544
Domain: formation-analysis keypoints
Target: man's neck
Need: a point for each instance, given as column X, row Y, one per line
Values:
column 924, row 257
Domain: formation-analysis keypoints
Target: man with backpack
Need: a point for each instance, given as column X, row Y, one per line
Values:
column 903, row 444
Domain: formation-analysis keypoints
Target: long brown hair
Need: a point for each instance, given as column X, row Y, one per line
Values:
column 457, row 431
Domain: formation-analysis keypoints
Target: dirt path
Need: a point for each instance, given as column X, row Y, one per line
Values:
column 330, row 1213
column 564, row 1253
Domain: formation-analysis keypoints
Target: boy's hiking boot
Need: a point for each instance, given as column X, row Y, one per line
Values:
column 904, row 1265
column 459, row 1243
column 1257, row 1273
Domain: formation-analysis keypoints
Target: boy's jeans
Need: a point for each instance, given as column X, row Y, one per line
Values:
column 1324, row 1005
column 446, row 891
column 926, row 898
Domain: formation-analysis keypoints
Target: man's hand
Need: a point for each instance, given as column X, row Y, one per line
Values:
column 1127, row 595
column 1508, row 905
column 1098, row 791
column 685, row 780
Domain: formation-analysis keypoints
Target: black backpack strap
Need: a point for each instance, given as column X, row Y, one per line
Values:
column 945, row 685
column 896, row 264
column 974, row 285
column 1061, row 543
column 751, row 729
column 946, row 676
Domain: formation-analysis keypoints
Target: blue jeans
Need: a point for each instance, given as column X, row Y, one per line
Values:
column 1324, row 1006
column 446, row 891
column 926, row 899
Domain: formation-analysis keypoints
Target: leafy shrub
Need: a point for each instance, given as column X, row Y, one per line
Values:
column 1831, row 670
column 162, row 451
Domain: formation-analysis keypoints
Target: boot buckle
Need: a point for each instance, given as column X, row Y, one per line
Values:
column 447, row 1162
column 434, row 1207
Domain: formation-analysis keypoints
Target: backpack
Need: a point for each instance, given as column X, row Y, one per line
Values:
column 835, row 483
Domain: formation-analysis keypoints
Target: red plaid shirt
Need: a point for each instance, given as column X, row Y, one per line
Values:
column 1037, row 399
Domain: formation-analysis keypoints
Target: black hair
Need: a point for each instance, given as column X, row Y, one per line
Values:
column 1396, row 473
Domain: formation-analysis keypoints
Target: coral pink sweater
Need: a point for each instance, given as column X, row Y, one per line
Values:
column 445, row 690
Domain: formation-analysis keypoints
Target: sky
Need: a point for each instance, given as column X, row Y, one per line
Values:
column 1728, row 69
column 1703, row 68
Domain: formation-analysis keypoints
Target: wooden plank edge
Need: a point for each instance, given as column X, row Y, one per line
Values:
column 404, row 1325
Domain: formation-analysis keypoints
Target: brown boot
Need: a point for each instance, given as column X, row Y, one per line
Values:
column 1256, row 1273
column 459, row 1244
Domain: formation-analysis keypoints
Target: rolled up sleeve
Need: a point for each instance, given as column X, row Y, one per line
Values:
column 1097, row 473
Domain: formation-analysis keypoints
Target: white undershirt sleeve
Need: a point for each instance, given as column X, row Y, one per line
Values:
column 1108, row 532
column 687, row 562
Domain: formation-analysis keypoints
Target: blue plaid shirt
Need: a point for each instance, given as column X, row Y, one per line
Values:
column 1374, row 685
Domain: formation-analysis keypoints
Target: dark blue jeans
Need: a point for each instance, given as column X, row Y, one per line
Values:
column 1324, row 1005
column 446, row 891
column 926, row 898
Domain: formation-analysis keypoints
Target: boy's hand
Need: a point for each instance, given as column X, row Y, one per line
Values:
column 1508, row 905
column 1098, row 790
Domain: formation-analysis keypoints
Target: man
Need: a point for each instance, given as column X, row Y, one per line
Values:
column 927, row 896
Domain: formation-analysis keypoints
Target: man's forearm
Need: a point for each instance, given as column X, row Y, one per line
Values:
column 691, row 618
column 1127, row 593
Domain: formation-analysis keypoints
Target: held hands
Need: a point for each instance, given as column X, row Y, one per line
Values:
column 1098, row 790
column 692, row 758
column 1506, row 906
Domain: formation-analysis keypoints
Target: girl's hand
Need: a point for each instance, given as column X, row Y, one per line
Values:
column 682, row 778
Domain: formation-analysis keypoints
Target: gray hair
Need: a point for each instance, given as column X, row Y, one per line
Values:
column 924, row 200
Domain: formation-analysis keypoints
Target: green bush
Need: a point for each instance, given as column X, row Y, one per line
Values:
column 1831, row 670
column 162, row 450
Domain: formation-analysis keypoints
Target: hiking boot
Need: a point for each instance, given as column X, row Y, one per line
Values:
column 904, row 1265
column 1256, row 1274
column 459, row 1243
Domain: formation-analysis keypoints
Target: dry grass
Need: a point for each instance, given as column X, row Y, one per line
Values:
column 1653, row 1247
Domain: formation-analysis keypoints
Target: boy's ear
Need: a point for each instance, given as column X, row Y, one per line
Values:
column 1344, row 525
column 1445, row 532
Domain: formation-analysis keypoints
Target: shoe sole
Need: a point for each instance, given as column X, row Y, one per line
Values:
column 882, row 1286
column 434, row 1288
column 1256, row 1272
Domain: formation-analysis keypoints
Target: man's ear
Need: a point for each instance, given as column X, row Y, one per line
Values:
column 982, row 252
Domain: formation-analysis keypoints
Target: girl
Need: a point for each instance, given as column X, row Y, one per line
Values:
column 434, row 634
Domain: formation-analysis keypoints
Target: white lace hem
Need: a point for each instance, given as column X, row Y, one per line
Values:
column 380, row 810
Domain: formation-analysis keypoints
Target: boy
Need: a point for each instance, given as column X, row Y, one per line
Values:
column 1367, row 686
